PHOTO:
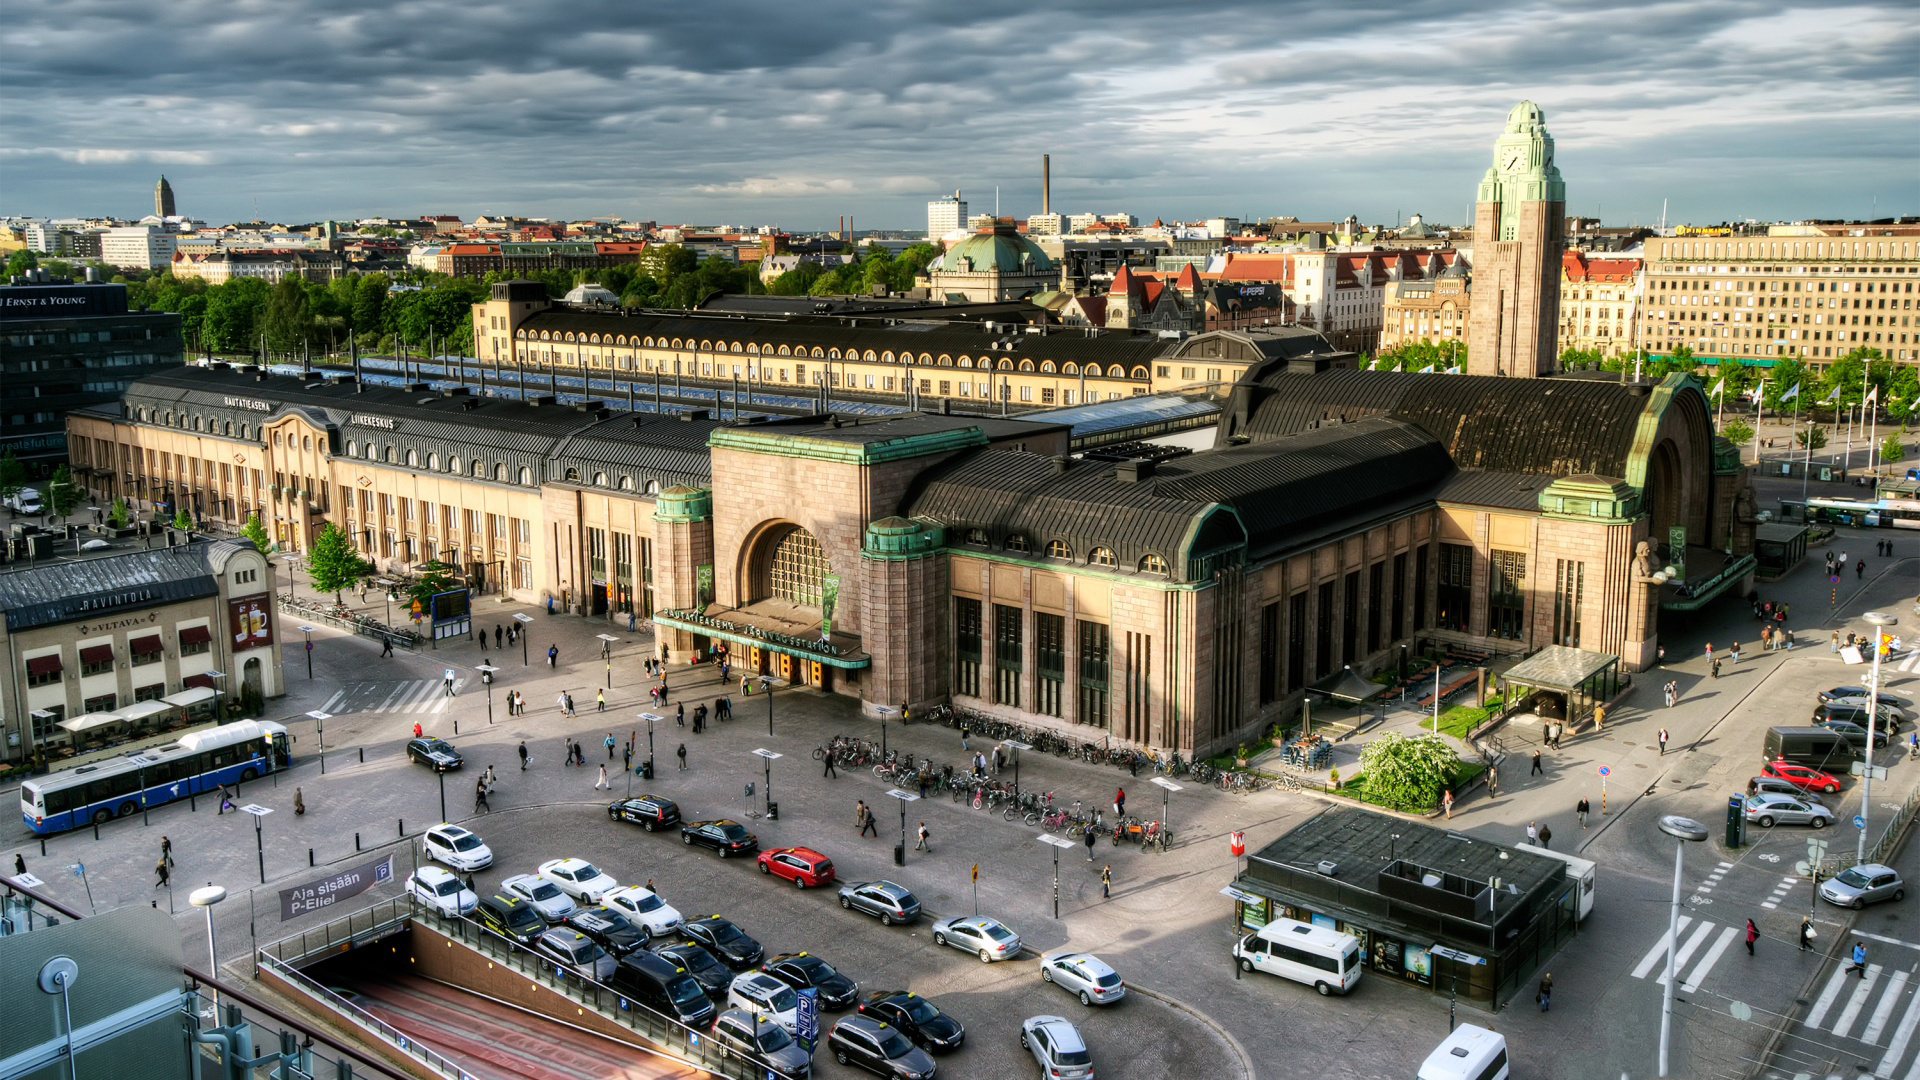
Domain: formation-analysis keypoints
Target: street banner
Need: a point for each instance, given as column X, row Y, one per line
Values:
column 330, row 890
column 829, row 599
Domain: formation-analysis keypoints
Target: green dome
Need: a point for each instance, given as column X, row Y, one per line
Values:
column 1000, row 248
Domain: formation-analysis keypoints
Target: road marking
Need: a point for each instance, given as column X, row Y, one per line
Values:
column 1877, row 937
column 387, row 704
column 332, row 702
column 1858, row 1001
column 1890, row 998
column 1901, row 1035
column 1700, row 934
column 1713, row 956
column 1659, row 950
column 1827, row 996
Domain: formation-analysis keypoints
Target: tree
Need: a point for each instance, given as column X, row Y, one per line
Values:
column 1737, row 431
column 287, row 318
column 257, row 533
column 1892, row 449
column 1786, row 375
column 119, row 515
column 1408, row 773
column 1813, row 432
column 333, row 565
column 233, row 314
column 183, row 520
column 22, row 261
column 63, row 495
column 369, row 300
column 435, row 578
column 13, row 475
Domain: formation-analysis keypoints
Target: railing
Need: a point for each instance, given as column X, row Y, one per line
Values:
column 379, row 1028
column 356, row 624
column 356, row 928
column 1880, row 850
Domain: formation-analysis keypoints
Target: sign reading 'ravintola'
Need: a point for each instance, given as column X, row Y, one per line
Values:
column 330, row 890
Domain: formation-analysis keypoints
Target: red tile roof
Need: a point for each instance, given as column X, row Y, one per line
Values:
column 1579, row 268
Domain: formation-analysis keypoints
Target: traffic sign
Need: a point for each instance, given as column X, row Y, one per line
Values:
column 1242, row 896
column 976, row 871
column 1237, row 843
column 1457, row 956
column 806, row 1018
column 1859, row 822
column 1604, row 771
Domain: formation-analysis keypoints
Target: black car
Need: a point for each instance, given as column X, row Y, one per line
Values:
column 650, row 812
column 510, row 917
column 801, row 970
column 725, row 836
column 711, row 974
column 929, row 1028
column 878, row 1048
column 609, row 929
column 1856, row 734
column 725, row 940
column 436, row 754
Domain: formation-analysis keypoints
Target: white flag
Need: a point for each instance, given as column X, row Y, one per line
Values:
column 1835, row 396
column 1428, row 370
column 1791, row 394
column 1718, row 388
column 1873, row 395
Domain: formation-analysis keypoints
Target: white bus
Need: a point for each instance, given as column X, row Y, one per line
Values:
column 1324, row 959
column 1580, row 873
column 1470, row 1053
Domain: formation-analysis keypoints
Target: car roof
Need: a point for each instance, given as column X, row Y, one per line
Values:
column 760, row 979
column 867, row 1023
column 451, row 830
column 426, row 872
column 1062, row 1031
column 1874, row 868
column 1771, row 797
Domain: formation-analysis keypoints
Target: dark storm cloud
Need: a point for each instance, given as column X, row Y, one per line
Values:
column 796, row 113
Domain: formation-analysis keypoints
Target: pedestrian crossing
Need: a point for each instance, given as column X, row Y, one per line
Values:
column 1879, row 1010
column 1702, row 938
column 401, row 696
column 1779, row 893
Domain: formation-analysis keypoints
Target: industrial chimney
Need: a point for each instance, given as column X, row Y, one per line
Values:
column 1046, row 183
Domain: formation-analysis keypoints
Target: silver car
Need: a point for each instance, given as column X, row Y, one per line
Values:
column 1767, row 810
column 1858, row 886
column 989, row 939
column 542, row 895
column 1084, row 975
column 761, row 1041
column 1056, row 1044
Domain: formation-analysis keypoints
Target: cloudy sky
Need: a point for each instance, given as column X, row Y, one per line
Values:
column 795, row 112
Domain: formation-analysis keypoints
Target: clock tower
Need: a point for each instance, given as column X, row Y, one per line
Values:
column 1519, row 233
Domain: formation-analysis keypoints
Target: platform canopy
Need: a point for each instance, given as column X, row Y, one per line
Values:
column 1584, row 677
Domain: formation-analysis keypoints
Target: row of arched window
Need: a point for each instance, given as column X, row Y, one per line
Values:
column 1063, row 551
column 187, row 422
column 1002, row 363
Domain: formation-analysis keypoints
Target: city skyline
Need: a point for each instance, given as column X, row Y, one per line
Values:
column 1259, row 110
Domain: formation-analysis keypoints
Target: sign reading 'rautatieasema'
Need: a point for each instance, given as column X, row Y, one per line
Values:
column 334, row 888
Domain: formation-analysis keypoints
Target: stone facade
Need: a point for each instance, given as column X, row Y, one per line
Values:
column 1519, row 233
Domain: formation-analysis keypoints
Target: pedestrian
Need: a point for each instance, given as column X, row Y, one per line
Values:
column 1546, row 836
column 19, row 863
column 523, row 755
column 417, row 729
column 1133, row 764
column 497, row 634
column 1714, row 668
column 1789, row 632
column 602, row 782
column 386, row 645
column 683, row 756
column 569, row 697
column 630, row 622
column 1088, row 837
column 964, row 732
column 553, row 653
column 1843, row 560
column 1753, row 935
column 299, row 804
column 449, row 681
column 1533, row 833
column 1709, row 652
column 829, row 770
column 1580, row 810
column 1106, row 882
column 626, row 759
column 923, row 834
column 1859, row 960
column 1666, row 694
column 1537, row 770
column 746, row 687
column 1446, row 803
column 1766, row 639
column 166, row 853
column 1663, row 742
column 1546, row 991
column 1660, row 656
column 1835, row 645
column 1599, row 716
column 867, row 827
column 1860, row 570
column 859, row 813
column 480, row 796
column 600, row 705
column 1493, row 782
column 160, row 873
column 1733, row 654
column 1806, row 933
column 611, row 741
column 1120, row 803
column 923, row 783
column 663, row 688
column 680, row 714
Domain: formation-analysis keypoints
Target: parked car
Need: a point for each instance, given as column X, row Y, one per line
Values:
column 1856, row 734
column 441, row 891
column 1774, row 785
column 546, row 898
column 989, row 939
column 609, row 929
column 1838, row 693
column 762, row 1042
column 725, row 940
column 1855, row 711
column 511, row 918
column 1084, row 975
column 1801, row 776
column 802, row 970
column 643, row 906
column 763, row 995
column 922, row 1021
column 802, row 866
column 1770, row 809
column 576, row 953
column 878, row 1048
column 650, row 812
column 457, row 847
column 579, row 879
column 1867, row 883
column 724, row 836
column 435, row 753
column 889, row 902
column 1056, row 1044
column 698, row 962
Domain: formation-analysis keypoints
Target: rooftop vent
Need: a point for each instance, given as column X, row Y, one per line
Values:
column 539, row 400
column 692, row 415
column 416, row 388
column 456, row 391
column 1328, row 867
column 1132, row 472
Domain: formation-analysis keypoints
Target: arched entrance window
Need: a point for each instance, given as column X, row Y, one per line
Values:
column 791, row 568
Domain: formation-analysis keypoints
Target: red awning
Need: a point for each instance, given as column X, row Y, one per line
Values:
column 97, row 654
column 198, row 680
column 146, row 646
column 44, row 665
column 195, row 635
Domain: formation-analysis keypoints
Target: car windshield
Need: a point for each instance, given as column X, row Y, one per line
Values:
column 694, row 959
column 1853, row 878
column 783, row 999
column 725, row 933
column 466, row 843
column 893, row 1044
column 585, row 872
column 919, row 1011
column 684, row 991
column 774, row 1037
column 438, row 747
column 544, row 890
column 447, row 887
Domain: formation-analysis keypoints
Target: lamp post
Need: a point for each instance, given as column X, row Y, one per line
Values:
column 1167, row 787
column 320, row 723
column 386, row 594
column 1683, row 830
column 1880, row 620
column 486, row 679
column 905, row 797
column 524, row 620
column 651, row 720
column 205, row 898
column 259, row 839
column 1056, row 843
column 1016, row 746
column 768, row 682
column 606, row 654
column 884, row 711
column 767, row 758
column 308, row 630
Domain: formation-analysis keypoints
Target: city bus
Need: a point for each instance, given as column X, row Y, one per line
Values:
column 197, row 762
column 1895, row 509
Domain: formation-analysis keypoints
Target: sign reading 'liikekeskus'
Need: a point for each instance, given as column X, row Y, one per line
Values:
column 334, row 888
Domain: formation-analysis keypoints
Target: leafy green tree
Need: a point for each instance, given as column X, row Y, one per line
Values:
column 287, row 318
column 664, row 262
column 22, row 261
column 1786, row 375
column 1738, row 432
column 1408, row 773
column 1814, row 433
column 433, row 578
column 1893, row 448
column 332, row 565
column 183, row 520
column 1738, row 377
column 119, row 514
column 63, row 495
column 369, row 301
column 233, row 314
column 13, row 475
column 256, row 532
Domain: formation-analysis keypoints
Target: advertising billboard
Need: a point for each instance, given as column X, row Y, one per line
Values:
column 250, row 622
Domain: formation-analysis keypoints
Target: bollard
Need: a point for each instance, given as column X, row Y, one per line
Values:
column 43, row 847
column 363, row 755
column 192, row 806
column 309, row 856
column 403, row 826
column 356, row 841
column 96, row 830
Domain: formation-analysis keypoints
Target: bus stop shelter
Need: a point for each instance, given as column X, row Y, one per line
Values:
column 1580, row 678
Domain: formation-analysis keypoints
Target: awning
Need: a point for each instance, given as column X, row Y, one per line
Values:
column 44, row 665
column 195, row 635
column 146, row 646
column 97, row 654
column 204, row 681
column 91, row 720
column 192, row 696
column 140, row 710
column 1349, row 686
column 767, row 630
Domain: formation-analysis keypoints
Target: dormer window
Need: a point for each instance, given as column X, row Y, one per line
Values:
column 1016, row 542
column 977, row 537
column 1058, row 549
column 1101, row 557
column 1153, row 564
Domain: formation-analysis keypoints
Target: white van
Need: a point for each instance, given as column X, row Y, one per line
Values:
column 1324, row 959
column 1470, row 1053
column 26, row 502
column 1579, row 871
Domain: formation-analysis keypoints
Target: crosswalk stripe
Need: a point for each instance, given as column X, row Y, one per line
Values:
column 417, row 694
column 1713, row 957
column 1857, row 1002
column 388, row 704
column 338, row 696
column 1827, row 996
column 1901, row 1036
column 1686, row 951
column 1659, row 950
column 1888, row 1000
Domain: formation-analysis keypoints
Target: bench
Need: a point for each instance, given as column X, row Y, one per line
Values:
column 1447, row 690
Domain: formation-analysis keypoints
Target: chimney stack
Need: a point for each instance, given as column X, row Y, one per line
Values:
column 1046, row 183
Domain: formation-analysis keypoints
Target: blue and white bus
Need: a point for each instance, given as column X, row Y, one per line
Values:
column 197, row 762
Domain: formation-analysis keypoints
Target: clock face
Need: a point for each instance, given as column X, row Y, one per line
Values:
column 1511, row 157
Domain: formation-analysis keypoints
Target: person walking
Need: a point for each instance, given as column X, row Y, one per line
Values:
column 683, row 756
column 600, row 705
column 523, row 755
column 680, row 714
column 602, row 782
column 1106, row 882
column 1753, row 935
column 964, row 732
column 1806, row 933
column 829, row 770
column 166, row 852
column 868, row 827
column 1660, row 656
column 1088, row 837
column 1537, row 770
column 570, row 713
column 1533, row 833
column 610, row 740
column 1733, row 654
column 1834, row 645
column 1580, row 810
column 498, row 633
column 418, row 731
column 1493, row 782
column 1859, row 960
column 160, row 874
column 1446, row 803
column 626, row 757
column 1546, row 991
column 1714, row 668
column 1663, row 742
column 386, row 645
column 922, row 833
column 19, row 863
column 859, row 814
column 480, row 796
column 1546, row 836
column 1860, row 570
column 1599, row 717
column 553, row 656
column 299, row 803
column 1120, row 803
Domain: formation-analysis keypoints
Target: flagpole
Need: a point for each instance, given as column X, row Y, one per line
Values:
column 1759, row 396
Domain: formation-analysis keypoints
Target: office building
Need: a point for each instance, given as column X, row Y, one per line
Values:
column 946, row 214
column 137, row 247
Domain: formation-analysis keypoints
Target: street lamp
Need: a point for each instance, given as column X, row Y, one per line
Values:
column 308, row 630
column 606, row 654
column 291, row 561
column 884, row 711
column 320, row 722
column 767, row 758
column 486, row 679
column 386, row 593
column 1683, row 830
column 1016, row 746
column 206, row 898
column 1880, row 620
column 768, row 682
column 1167, row 787
column 1056, row 842
column 258, row 813
column 651, row 720
column 442, row 774
column 905, row 797
column 524, row 620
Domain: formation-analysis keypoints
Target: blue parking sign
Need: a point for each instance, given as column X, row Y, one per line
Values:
column 807, row 1019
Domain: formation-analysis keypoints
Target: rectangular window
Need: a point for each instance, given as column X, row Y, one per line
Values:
column 1350, row 618
column 1420, row 589
column 523, row 573
column 1050, row 656
column 1323, row 638
column 1507, row 595
column 1376, row 597
column 1569, row 583
column 622, row 572
column 1454, row 600
column 1008, row 639
column 426, row 508
column 1096, row 672
column 1296, row 672
column 1398, row 621
column 966, row 646
column 946, row 387
column 102, row 703
column 1269, row 653
column 597, row 555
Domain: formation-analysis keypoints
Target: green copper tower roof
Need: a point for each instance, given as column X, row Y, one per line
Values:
column 1523, row 169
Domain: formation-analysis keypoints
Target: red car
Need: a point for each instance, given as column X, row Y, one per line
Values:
column 804, row 867
column 1801, row 776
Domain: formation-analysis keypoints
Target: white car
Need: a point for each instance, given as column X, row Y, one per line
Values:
column 763, row 995
column 441, row 891
column 542, row 895
column 579, row 879
column 457, row 847
column 1084, row 975
column 644, row 906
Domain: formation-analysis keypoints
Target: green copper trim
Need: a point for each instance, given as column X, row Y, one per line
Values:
column 1596, row 498
column 846, row 451
column 682, row 504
